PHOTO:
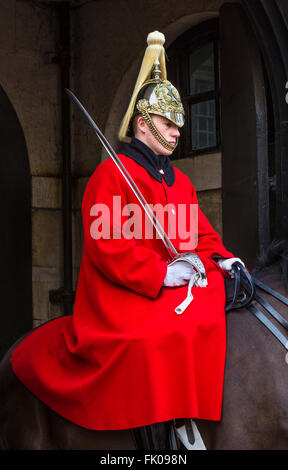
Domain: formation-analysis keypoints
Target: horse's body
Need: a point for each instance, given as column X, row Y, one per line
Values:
column 26, row 423
column 255, row 403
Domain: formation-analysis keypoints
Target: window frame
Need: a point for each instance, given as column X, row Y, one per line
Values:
column 178, row 73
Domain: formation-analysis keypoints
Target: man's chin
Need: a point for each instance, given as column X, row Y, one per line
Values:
column 167, row 152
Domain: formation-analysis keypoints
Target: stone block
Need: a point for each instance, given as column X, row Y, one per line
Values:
column 210, row 202
column 204, row 171
column 44, row 279
column 46, row 192
column 47, row 243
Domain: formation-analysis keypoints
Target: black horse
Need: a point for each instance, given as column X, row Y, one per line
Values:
column 255, row 402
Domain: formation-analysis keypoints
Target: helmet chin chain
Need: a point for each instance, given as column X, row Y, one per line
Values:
column 156, row 133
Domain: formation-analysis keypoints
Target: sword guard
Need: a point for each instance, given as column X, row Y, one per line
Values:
column 195, row 261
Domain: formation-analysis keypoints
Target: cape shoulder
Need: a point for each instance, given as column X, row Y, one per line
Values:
column 107, row 169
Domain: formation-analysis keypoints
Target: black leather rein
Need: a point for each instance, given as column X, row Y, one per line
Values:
column 245, row 295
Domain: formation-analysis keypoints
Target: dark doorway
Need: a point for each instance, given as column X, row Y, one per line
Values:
column 15, row 233
column 245, row 164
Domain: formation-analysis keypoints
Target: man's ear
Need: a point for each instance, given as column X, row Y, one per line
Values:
column 141, row 125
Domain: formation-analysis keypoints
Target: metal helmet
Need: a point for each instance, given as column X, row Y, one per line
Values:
column 153, row 93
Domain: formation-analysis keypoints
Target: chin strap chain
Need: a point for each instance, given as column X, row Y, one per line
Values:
column 155, row 131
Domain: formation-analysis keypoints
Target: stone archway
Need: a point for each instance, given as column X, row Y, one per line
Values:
column 15, row 233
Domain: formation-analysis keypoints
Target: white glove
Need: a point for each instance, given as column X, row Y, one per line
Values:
column 178, row 274
column 226, row 264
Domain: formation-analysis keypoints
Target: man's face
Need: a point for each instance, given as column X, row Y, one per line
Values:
column 166, row 128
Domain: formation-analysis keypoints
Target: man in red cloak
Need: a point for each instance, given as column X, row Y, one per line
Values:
column 125, row 358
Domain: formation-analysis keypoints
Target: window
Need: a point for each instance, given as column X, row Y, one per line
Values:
column 193, row 68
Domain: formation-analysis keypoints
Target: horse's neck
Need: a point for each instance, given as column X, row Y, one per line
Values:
column 273, row 277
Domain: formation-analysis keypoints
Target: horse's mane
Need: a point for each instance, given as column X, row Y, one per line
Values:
column 277, row 252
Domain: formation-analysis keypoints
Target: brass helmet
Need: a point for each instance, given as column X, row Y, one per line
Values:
column 153, row 93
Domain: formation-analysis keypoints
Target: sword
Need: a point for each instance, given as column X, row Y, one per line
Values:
column 173, row 253
column 200, row 276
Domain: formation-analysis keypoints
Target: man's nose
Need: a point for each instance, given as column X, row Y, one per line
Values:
column 176, row 132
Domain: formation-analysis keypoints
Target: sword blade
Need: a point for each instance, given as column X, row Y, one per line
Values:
column 156, row 224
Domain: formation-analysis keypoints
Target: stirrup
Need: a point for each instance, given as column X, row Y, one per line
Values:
column 189, row 435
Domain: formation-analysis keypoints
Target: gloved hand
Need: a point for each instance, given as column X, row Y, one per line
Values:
column 226, row 265
column 178, row 274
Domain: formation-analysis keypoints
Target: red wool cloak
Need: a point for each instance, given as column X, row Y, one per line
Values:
column 125, row 358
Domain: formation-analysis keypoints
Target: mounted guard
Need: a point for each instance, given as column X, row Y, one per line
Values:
column 138, row 350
